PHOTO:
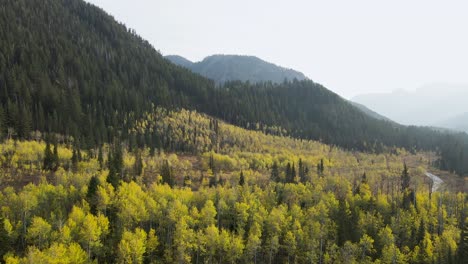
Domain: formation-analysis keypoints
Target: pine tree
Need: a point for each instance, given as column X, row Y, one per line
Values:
column 112, row 176
column 300, row 169
column 78, row 154
column 74, row 160
column 364, row 178
column 40, row 119
column 241, row 179
column 55, row 158
column 138, row 166
column 152, row 151
column 322, row 167
column 420, row 233
column 275, row 176
column 288, row 172
column 212, row 163
column 48, row 157
column 302, row 172
column 91, row 196
column 100, row 158
column 213, row 182
column 292, row 178
column 344, row 223
column 118, row 159
column 166, row 173
column 461, row 163
column 24, row 123
column 405, row 178
column 115, row 164
column 408, row 193
column 2, row 122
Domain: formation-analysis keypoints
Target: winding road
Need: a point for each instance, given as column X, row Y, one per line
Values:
column 436, row 180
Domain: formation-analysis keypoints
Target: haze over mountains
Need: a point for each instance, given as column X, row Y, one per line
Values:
column 223, row 68
column 440, row 105
column 458, row 122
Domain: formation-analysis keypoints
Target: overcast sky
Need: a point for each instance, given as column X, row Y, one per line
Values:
column 351, row 47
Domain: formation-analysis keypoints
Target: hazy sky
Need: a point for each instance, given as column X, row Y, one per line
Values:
column 351, row 47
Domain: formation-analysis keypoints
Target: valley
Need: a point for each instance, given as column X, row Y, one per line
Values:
column 112, row 153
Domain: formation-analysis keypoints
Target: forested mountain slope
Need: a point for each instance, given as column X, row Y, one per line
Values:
column 223, row 68
column 240, row 197
column 109, row 153
column 68, row 67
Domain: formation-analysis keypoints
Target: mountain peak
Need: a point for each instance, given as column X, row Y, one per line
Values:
column 227, row 67
column 179, row 60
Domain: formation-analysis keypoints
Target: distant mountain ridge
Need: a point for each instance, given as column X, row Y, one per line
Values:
column 224, row 68
column 179, row 60
column 430, row 105
column 369, row 112
column 458, row 122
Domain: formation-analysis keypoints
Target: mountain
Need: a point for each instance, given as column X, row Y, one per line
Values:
column 429, row 105
column 224, row 68
column 459, row 122
column 72, row 69
column 109, row 153
column 369, row 112
column 179, row 60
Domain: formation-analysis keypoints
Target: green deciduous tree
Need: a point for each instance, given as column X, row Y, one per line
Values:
column 39, row 232
column 132, row 246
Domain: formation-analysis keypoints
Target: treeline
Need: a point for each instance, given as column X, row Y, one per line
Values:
column 67, row 67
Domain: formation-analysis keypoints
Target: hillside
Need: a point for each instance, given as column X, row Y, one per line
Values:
column 109, row 153
column 224, row 68
column 128, row 204
column 181, row 61
column 90, row 78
